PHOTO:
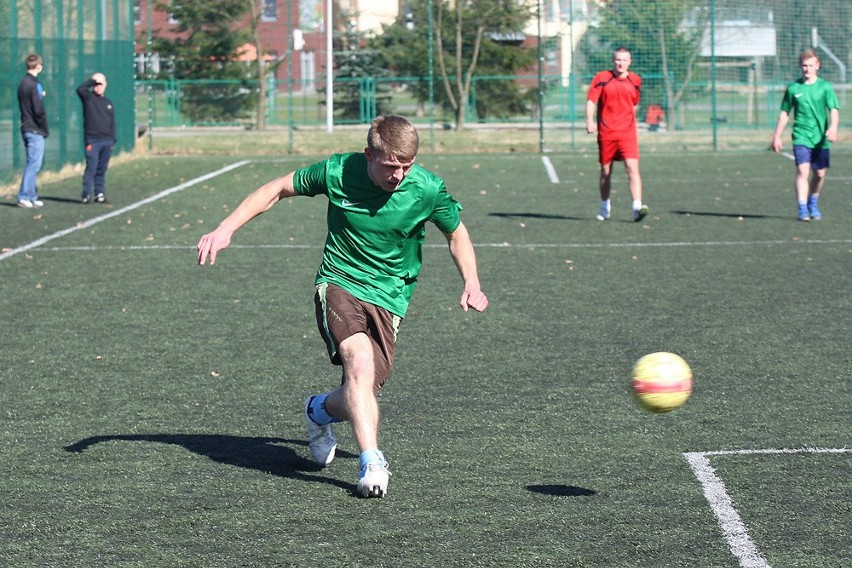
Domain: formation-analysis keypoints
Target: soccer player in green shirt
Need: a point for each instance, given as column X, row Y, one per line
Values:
column 379, row 201
column 815, row 123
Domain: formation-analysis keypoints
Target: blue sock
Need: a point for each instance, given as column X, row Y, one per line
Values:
column 369, row 456
column 317, row 411
column 812, row 200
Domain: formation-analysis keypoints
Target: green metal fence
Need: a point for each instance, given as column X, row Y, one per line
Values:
column 718, row 65
column 76, row 38
column 735, row 105
column 707, row 65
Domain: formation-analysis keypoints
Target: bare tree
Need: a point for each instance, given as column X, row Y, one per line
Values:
column 473, row 19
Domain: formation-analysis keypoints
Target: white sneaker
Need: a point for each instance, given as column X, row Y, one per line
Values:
column 38, row 203
column 641, row 213
column 374, row 479
column 323, row 443
column 603, row 214
column 25, row 203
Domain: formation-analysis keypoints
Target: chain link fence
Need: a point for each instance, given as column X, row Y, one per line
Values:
column 713, row 71
column 75, row 39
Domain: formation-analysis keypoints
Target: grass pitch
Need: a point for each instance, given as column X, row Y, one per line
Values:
column 152, row 408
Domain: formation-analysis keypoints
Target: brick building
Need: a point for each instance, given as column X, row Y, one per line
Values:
column 307, row 25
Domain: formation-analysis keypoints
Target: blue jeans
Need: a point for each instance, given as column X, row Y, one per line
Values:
column 34, row 144
column 98, row 153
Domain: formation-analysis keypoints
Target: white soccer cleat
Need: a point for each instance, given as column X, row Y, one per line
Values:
column 374, row 480
column 323, row 442
column 641, row 213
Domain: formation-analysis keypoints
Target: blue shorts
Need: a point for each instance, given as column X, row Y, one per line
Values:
column 818, row 158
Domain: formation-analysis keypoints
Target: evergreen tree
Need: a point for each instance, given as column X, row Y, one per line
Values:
column 207, row 48
column 470, row 40
column 359, row 93
column 665, row 51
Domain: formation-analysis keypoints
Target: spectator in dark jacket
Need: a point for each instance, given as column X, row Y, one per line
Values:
column 99, row 136
column 33, row 129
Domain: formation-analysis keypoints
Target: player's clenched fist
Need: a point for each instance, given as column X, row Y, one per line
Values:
column 475, row 299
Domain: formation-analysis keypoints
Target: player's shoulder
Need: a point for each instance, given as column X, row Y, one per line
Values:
column 421, row 173
column 346, row 158
column 824, row 83
column 340, row 164
column 425, row 180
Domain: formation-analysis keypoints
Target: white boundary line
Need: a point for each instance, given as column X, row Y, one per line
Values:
column 733, row 528
column 551, row 171
column 672, row 244
column 123, row 210
column 83, row 248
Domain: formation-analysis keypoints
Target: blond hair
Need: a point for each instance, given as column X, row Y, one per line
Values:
column 808, row 54
column 393, row 135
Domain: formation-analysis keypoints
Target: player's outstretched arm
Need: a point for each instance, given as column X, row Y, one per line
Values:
column 461, row 250
column 259, row 201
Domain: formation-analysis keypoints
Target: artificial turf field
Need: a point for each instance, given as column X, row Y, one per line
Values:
column 152, row 409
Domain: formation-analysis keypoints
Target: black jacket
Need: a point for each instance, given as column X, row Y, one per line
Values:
column 31, row 103
column 98, row 113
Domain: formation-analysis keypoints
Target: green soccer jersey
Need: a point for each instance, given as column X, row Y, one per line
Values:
column 811, row 104
column 375, row 237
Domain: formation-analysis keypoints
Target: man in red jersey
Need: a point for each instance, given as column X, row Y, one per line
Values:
column 613, row 96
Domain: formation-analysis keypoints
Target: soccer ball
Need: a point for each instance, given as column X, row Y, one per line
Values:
column 661, row 382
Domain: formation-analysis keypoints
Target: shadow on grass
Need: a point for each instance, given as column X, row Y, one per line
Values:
column 562, row 490
column 48, row 199
column 519, row 215
column 269, row 455
column 63, row 200
column 729, row 215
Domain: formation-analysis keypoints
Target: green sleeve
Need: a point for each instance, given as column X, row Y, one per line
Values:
column 787, row 101
column 311, row 180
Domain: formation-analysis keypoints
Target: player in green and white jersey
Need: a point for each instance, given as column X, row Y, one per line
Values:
column 379, row 202
column 816, row 119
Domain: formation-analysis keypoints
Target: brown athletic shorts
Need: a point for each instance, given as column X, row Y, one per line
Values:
column 341, row 315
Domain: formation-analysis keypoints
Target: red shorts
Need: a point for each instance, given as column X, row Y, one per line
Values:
column 340, row 315
column 618, row 148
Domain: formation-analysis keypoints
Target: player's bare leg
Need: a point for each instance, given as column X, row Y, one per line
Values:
column 803, row 189
column 634, row 178
column 605, row 187
column 355, row 401
column 817, row 181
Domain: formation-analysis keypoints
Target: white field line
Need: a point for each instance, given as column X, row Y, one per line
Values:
column 663, row 244
column 551, row 171
column 526, row 246
column 732, row 526
column 122, row 211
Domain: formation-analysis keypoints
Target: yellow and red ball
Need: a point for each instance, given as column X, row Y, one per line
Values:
column 661, row 382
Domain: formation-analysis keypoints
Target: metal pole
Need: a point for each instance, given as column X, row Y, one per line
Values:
column 571, row 97
column 329, row 71
column 713, row 73
column 291, row 46
column 431, row 80
column 540, row 90
column 148, row 57
column 13, row 35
